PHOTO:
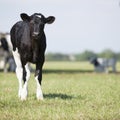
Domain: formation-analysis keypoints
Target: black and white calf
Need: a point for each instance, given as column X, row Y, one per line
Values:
column 6, row 60
column 102, row 64
column 29, row 44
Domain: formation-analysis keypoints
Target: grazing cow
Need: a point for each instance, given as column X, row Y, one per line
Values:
column 29, row 44
column 102, row 64
column 5, row 53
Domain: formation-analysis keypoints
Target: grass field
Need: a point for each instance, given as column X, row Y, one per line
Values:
column 72, row 91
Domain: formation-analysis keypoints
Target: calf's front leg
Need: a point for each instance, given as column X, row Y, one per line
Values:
column 38, row 78
column 26, row 76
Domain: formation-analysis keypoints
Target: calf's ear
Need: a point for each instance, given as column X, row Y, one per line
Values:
column 25, row 17
column 50, row 19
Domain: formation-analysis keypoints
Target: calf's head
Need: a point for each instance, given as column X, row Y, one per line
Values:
column 94, row 61
column 37, row 22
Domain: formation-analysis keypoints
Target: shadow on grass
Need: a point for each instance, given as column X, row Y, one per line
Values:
column 68, row 71
column 63, row 96
column 72, row 71
column 47, row 71
column 58, row 96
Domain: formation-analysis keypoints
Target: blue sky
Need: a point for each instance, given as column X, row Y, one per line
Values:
column 80, row 24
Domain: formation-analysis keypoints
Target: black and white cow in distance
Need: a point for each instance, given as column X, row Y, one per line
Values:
column 103, row 64
column 6, row 60
column 29, row 44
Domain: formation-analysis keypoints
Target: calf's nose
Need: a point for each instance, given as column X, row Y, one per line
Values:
column 35, row 34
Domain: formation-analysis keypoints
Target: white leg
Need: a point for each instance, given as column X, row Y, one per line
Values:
column 24, row 91
column 114, row 68
column 39, row 93
column 19, row 75
column 106, row 70
column 28, row 72
column 19, row 70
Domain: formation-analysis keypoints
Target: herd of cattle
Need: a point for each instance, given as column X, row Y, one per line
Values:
column 103, row 64
column 7, row 62
column 6, row 59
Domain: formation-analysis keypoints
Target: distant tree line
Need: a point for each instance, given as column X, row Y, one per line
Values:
column 84, row 56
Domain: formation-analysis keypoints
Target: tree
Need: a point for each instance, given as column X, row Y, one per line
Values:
column 85, row 56
column 57, row 57
column 107, row 53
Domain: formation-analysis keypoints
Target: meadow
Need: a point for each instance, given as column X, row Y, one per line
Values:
column 72, row 91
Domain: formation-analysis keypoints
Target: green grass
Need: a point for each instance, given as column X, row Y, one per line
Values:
column 72, row 91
